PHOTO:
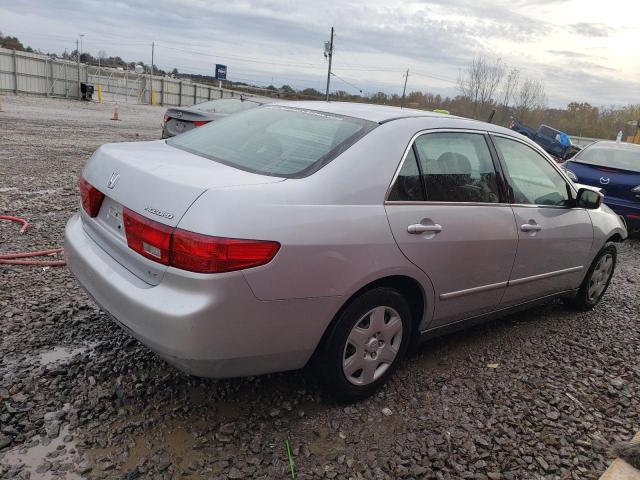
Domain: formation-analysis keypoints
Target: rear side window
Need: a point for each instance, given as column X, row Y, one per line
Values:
column 408, row 185
column 277, row 141
column 548, row 132
column 457, row 167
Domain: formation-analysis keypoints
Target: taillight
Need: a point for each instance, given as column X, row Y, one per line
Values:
column 91, row 198
column 193, row 251
column 202, row 253
column 166, row 118
column 200, row 123
column 150, row 239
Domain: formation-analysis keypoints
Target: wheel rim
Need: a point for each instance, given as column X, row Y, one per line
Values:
column 372, row 345
column 600, row 277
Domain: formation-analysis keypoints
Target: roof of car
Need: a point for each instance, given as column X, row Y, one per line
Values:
column 619, row 145
column 364, row 111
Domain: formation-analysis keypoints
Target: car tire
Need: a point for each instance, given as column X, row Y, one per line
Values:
column 597, row 280
column 375, row 328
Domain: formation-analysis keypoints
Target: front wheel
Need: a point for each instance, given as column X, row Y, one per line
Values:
column 597, row 279
column 366, row 343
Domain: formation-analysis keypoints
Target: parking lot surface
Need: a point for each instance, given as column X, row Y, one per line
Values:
column 541, row 394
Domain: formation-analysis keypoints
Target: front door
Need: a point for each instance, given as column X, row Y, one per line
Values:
column 448, row 217
column 554, row 237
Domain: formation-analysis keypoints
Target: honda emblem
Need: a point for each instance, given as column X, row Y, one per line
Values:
column 113, row 180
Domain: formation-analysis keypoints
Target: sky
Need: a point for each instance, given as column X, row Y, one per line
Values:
column 581, row 50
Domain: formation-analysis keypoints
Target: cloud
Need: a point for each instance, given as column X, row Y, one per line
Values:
column 281, row 41
column 588, row 29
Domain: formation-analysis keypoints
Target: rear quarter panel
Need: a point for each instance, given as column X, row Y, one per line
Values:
column 332, row 225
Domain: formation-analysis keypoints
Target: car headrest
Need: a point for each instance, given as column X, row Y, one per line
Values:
column 454, row 163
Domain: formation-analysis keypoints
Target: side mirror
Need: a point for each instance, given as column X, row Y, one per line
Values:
column 589, row 199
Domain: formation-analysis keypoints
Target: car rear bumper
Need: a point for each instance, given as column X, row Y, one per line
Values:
column 628, row 210
column 206, row 325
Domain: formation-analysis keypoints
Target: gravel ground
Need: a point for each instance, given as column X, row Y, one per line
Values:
column 541, row 394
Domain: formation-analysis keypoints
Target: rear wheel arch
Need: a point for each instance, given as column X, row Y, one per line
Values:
column 407, row 286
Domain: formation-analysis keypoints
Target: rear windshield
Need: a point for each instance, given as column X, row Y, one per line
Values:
column 624, row 157
column 277, row 141
column 226, row 106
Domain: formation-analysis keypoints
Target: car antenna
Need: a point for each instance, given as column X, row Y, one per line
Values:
column 493, row 112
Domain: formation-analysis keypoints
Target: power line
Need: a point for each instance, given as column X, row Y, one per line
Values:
column 434, row 77
column 348, row 83
column 236, row 57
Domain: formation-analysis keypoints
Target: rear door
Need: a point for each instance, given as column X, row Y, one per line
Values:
column 554, row 238
column 448, row 216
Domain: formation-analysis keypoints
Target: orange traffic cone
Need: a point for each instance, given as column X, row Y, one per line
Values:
column 115, row 113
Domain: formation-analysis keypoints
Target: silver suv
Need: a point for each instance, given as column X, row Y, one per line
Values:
column 331, row 234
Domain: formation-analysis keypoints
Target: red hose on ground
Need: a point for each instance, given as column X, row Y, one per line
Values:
column 16, row 258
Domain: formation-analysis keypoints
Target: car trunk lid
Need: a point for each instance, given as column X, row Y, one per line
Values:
column 156, row 181
column 616, row 182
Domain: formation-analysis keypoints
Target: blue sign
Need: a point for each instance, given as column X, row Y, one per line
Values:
column 221, row 72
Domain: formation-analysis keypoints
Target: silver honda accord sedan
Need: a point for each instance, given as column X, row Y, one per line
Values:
column 330, row 234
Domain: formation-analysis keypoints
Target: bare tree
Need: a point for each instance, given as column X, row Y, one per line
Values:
column 480, row 81
column 530, row 96
column 510, row 87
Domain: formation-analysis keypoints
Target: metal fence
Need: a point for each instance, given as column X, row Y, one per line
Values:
column 36, row 74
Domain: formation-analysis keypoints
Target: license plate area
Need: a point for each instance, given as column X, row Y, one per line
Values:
column 110, row 218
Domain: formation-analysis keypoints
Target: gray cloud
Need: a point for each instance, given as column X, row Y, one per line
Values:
column 587, row 29
column 281, row 40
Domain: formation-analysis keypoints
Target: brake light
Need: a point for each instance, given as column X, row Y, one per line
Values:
column 166, row 118
column 193, row 251
column 91, row 198
column 150, row 239
column 202, row 253
column 200, row 123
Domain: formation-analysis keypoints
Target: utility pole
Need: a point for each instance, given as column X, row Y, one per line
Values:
column 404, row 90
column 151, row 99
column 330, row 55
column 78, row 65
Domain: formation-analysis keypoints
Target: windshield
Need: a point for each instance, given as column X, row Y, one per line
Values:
column 278, row 141
column 623, row 157
column 227, row 106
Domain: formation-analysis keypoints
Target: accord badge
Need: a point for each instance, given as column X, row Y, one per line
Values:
column 160, row 213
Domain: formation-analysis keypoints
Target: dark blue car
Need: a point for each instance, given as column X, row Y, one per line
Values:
column 614, row 167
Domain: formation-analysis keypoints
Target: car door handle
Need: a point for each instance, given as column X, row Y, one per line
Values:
column 419, row 228
column 530, row 227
